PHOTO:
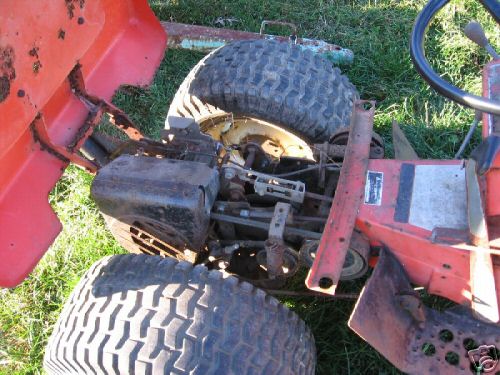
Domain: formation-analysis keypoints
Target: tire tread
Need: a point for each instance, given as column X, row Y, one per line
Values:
column 140, row 314
column 273, row 81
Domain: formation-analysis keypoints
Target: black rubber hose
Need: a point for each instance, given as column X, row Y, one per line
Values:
column 425, row 70
column 493, row 6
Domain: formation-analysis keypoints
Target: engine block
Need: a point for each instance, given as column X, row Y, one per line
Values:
column 147, row 199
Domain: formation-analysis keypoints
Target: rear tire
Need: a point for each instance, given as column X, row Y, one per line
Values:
column 271, row 81
column 140, row 314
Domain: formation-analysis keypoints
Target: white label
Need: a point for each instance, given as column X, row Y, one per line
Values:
column 373, row 188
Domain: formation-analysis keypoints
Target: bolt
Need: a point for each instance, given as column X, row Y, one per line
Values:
column 229, row 173
column 222, row 264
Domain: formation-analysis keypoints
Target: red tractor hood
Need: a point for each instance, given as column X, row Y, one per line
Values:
column 116, row 43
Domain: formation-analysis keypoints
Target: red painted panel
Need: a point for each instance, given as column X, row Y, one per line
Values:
column 116, row 42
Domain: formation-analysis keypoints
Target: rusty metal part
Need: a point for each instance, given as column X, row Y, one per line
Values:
column 410, row 301
column 236, row 187
column 356, row 262
column 413, row 337
column 274, row 246
column 254, row 155
column 248, row 260
column 318, row 197
column 40, row 136
column 243, row 243
column 177, row 195
column 181, row 143
column 206, row 39
column 402, row 146
column 143, row 235
column 278, row 222
column 290, row 264
column 7, row 70
column 337, row 151
column 179, row 149
column 250, row 157
column 482, row 279
column 274, row 140
column 261, row 213
column 341, row 136
column 95, row 104
column 377, row 144
column 236, row 191
column 330, row 258
column 274, row 258
column 334, row 151
column 265, row 226
column 324, row 206
column 265, row 184
column 97, row 109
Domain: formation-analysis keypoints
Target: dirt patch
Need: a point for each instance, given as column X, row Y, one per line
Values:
column 4, row 88
column 7, row 71
column 37, row 64
column 34, row 52
column 71, row 6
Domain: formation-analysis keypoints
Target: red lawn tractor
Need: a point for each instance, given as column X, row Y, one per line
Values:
column 267, row 166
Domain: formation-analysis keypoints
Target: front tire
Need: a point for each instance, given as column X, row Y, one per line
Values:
column 140, row 314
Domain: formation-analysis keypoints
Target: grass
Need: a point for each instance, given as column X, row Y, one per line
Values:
column 377, row 32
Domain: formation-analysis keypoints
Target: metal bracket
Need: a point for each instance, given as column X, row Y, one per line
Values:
column 97, row 108
column 65, row 154
column 402, row 146
column 328, row 264
column 278, row 222
column 95, row 105
column 390, row 316
column 293, row 36
column 182, row 127
column 264, row 184
column 275, row 248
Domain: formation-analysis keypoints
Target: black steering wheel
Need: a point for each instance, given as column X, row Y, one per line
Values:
column 425, row 70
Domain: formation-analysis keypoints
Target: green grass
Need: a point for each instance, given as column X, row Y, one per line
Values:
column 377, row 32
